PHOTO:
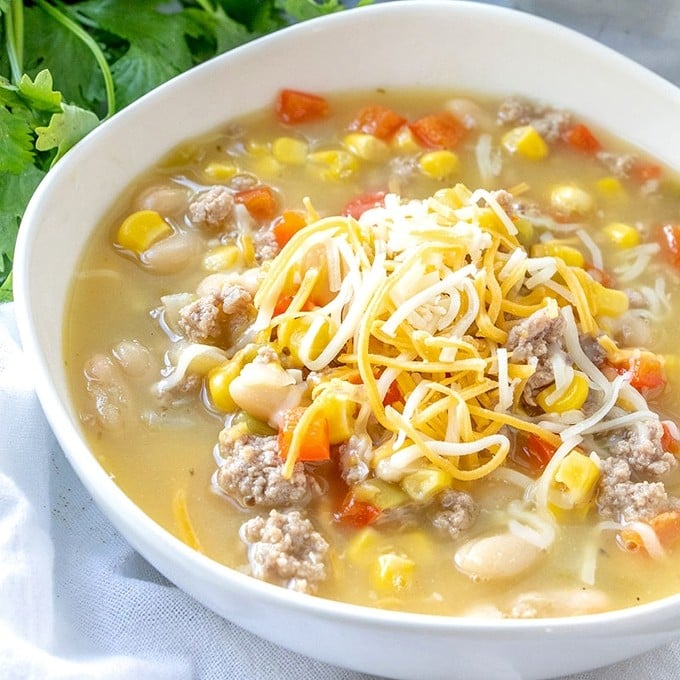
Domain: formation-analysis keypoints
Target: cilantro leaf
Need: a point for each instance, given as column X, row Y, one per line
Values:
column 65, row 129
column 16, row 143
column 301, row 10
column 226, row 32
column 39, row 93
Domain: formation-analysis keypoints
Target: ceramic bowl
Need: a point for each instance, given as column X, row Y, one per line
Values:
column 458, row 45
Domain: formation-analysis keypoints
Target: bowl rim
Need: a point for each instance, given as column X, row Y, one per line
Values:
column 93, row 476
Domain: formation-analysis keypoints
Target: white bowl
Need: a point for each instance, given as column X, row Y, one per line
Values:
column 458, row 45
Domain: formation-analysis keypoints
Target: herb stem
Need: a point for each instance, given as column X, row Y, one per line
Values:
column 14, row 27
column 92, row 45
column 205, row 4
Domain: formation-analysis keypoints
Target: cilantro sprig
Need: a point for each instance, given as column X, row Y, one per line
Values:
column 66, row 65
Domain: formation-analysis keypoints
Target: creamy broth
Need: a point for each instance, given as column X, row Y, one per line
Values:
column 122, row 338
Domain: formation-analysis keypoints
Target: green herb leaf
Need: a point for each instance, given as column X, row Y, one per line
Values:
column 39, row 93
column 301, row 10
column 16, row 143
column 65, row 129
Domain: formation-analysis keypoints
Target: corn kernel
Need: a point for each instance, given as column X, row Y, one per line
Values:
column 571, row 256
column 247, row 247
column 573, row 398
column 368, row 147
column 579, row 475
column 570, row 201
column 266, row 167
column 607, row 301
column 339, row 411
column 418, row 544
column 292, row 332
column 140, row 230
column 220, row 171
column 527, row 142
column 290, row 150
column 439, row 164
column 222, row 258
column 525, row 229
column 335, row 164
column 622, row 235
column 424, row 484
column 404, row 141
column 363, row 546
column 219, row 380
column 393, row 572
column 255, row 148
column 610, row 187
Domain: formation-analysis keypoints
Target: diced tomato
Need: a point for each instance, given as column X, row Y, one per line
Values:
column 534, row 454
column 670, row 242
column 648, row 375
column 260, row 202
column 580, row 138
column 438, row 130
column 359, row 205
column 377, row 120
column 287, row 226
column 643, row 171
column 293, row 106
column 393, row 395
column 666, row 527
column 668, row 440
column 356, row 513
column 315, row 444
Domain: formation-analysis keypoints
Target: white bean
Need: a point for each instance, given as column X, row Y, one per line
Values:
column 559, row 603
column 171, row 254
column 496, row 557
column 107, row 388
column 132, row 356
column 164, row 199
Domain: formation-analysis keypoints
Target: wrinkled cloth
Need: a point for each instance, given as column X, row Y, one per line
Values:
column 76, row 601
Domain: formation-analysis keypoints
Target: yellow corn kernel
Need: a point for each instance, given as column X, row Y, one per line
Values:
column 418, row 544
column 610, row 187
column 290, row 150
column 525, row 229
column 383, row 495
column 393, row 572
column 579, row 475
column 219, row 381
column 622, row 235
column 424, row 484
column 140, row 230
column 334, row 164
column 573, row 398
column 404, row 141
column 291, row 334
column 368, row 147
column 220, row 171
column 527, row 142
column 571, row 256
column 339, row 411
column 247, row 247
column 267, row 167
column 607, row 301
column 222, row 258
column 255, row 148
column 363, row 546
column 439, row 164
column 571, row 201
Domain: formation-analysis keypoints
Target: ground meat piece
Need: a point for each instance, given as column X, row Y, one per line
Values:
column 252, row 473
column 621, row 164
column 220, row 315
column 550, row 124
column 266, row 355
column 592, row 349
column 621, row 499
column 458, row 512
column 542, row 377
column 640, row 445
column 515, row 111
column 636, row 300
column 284, row 548
column 355, row 455
column 212, row 208
column 533, row 336
column 266, row 246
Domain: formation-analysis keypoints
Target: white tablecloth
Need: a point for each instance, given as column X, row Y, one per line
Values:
column 77, row 602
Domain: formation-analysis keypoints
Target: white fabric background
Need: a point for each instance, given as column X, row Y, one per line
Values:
column 77, row 602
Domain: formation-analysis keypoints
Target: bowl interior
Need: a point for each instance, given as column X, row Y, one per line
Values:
column 460, row 46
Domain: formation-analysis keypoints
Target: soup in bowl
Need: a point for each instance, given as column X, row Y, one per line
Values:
column 399, row 337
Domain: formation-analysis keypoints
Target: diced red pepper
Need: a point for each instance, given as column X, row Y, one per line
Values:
column 377, row 120
column 534, row 454
column 356, row 513
column 438, row 130
column 670, row 242
column 393, row 395
column 648, row 375
column 600, row 275
column 293, row 106
column 643, row 171
column 287, row 226
column 315, row 445
column 260, row 202
column 359, row 205
column 580, row 138
column 668, row 440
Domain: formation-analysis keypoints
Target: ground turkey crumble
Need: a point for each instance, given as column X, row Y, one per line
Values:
column 285, row 549
column 458, row 513
column 212, row 208
column 252, row 473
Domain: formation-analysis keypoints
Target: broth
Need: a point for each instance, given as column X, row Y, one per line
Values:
column 574, row 196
